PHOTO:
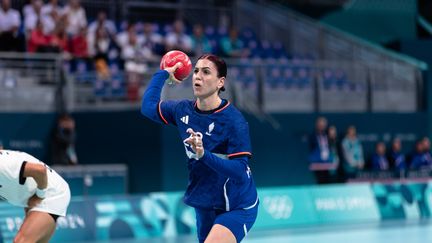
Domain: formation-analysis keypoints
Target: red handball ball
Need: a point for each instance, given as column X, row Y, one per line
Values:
column 173, row 57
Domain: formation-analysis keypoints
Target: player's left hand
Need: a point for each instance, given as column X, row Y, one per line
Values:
column 195, row 141
column 33, row 201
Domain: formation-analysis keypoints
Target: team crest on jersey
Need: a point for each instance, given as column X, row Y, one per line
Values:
column 210, row 129
column 185, row 119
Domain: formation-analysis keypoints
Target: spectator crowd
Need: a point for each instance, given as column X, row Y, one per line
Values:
column 337, row 160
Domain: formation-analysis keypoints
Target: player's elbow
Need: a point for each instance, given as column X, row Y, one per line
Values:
column 40, row 171
column 143, row 111
column 241, row 176
column 147, row 110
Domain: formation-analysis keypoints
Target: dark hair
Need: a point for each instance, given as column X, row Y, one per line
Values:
column 219, row 63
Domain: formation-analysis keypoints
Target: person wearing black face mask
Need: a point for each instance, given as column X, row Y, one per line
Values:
column 63, row 142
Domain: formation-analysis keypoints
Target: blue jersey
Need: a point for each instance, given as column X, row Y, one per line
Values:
column 221, row 179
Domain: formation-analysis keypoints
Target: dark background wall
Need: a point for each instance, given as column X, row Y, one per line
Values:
column 155, row 154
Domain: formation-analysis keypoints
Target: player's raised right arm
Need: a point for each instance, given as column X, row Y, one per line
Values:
column 152, row 95
column 151, row 98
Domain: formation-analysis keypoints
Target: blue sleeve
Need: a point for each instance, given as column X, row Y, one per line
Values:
column 238, row 152
column 239, row 139
column 235, row 169
column 152, row 107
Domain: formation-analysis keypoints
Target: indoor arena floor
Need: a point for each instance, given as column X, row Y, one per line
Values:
column 394, row 232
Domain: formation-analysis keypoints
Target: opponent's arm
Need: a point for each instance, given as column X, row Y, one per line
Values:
column 38, row 172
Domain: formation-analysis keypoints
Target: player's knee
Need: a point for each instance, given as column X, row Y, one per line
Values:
column 219, row 236
column 22, row 237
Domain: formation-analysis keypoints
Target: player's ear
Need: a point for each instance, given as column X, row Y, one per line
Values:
column 221, row 82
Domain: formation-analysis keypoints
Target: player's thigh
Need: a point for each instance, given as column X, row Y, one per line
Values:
column 220, row 234
column 37, row 226
column 237, row 222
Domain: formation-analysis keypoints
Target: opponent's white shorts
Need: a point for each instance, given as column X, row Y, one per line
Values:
column 57, row 197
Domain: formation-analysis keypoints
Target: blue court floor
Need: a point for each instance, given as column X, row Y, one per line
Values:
column 393, row 232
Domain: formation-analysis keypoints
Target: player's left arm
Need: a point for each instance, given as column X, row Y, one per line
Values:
column 236, row 167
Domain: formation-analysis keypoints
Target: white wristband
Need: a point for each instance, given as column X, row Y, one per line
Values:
column 40, row 193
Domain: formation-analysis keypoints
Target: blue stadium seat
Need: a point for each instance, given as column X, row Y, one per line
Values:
column 304, row 78
column 274, row 77
column 288, row 77
column 100, row 88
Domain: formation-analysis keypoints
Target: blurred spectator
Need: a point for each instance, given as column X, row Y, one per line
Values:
column 104, row 22
column 334, row 148
column 422, row 158
column 232, row 46
column 63, row 141
column 379, row 160
column 122, row 38
column 28, row 8
column 136, row 55
column 10, row 21
column 52, row 20
column 100, row 46
column 333, row 145
column 353, row 153
column 319, row 156
column 395, row 157
column 37, row 40
column 319, row 148
column 76, row 17
column 51, row 6
column 152, row 42
column 200, row 43
column 60, row 41
column 79, row 46
column 177, row 39
column 32, row 13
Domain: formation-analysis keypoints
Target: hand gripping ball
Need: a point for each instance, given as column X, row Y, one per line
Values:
column 173, row 57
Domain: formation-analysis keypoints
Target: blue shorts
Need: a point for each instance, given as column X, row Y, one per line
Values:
column 238, row 221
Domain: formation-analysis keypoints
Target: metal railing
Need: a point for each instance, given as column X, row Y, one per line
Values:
column 271, row 87
column 30, row 82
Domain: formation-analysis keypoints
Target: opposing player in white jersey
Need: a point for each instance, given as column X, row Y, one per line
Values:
column 29, row 183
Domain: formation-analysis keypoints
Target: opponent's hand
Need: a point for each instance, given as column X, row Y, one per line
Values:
column 171, row 71
column 33, row 201
column 195, row 141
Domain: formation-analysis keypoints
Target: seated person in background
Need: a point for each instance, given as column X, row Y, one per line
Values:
column 353, row 153
column 10, row 21
column 63, row 142
column 103, row 21
column 421, row 158
column 153, row 42
column 38, row 41
column 200, row 42
column 178, row 39
column 395, row 157
column 231, row 45
column 379, row 160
